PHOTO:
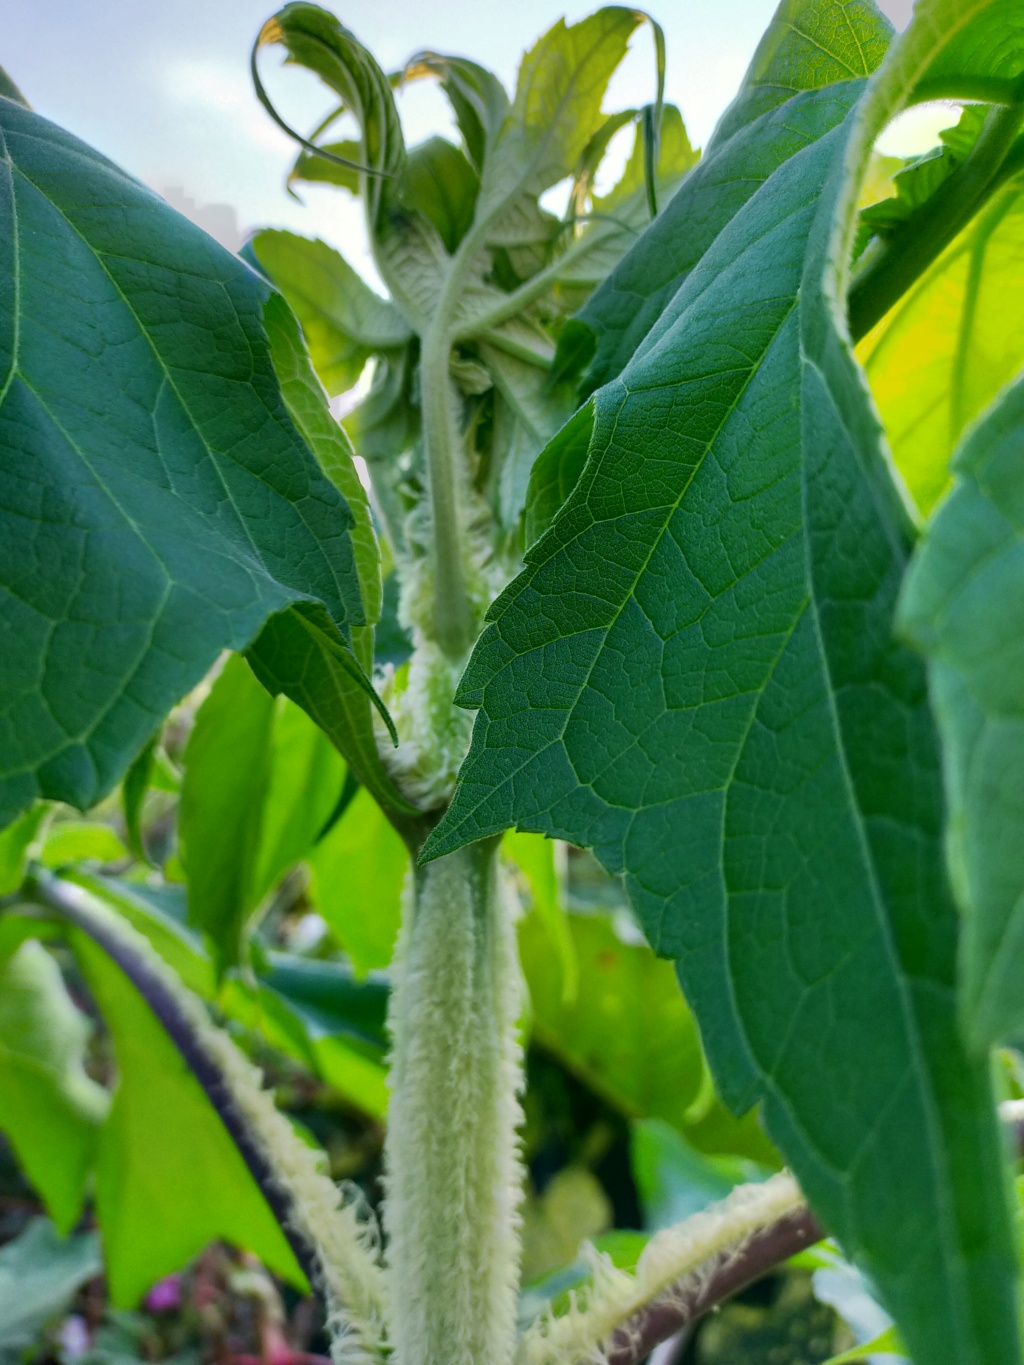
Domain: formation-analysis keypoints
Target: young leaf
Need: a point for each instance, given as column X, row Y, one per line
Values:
column 344, row 322
column 477, row 97
column 695, row 676
column 359, row 869
column 260, row 782
column 50, row 1110
column 149, row 460
column 15, row 842
column 941, row 355
column 964, row 606
column 169, row 1178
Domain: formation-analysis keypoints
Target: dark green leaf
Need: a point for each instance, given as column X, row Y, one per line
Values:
column 133, row 794
column 49, row 1108
column 964, row 606
column 695, row 676
column 138, row 400
column 556, row 472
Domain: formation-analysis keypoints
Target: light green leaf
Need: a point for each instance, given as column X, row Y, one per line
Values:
column 887, row 1344
column 50, row 1110
column 535, row 859
column 359, row 869
column 439, row 182
column 261, row 781
column 674, row 1180
column 75, row 841
column 627, row 1032
column 227, row 776
column 39, row 1275
column 477, row 97
column 137, row 383
column 343, row 320
column 695, row 676
column 15, row 843
column 557, row 108
column 169, row 1177
column 964, row 606
column 941, row 355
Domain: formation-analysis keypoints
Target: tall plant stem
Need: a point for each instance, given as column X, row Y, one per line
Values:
column 453, row 614
column 451, row 1153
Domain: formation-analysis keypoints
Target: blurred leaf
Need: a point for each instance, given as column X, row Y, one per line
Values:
column 534, row 856
column 15, row 843
column 939, row 357
column 39, row 1275
column 887, row 1344
column 49, row 1108
column 79, row 841
column 439, row 182
column 359, row 869
column 674, row 1180
column 133, row 794
column 169, row 1177
column 477, row 97
column 628, row 1033
column 572, row 1209
column 963, row 604
column 343, row 320
column 227, row 777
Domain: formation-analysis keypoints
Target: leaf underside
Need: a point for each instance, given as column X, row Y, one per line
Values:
column 695, row 675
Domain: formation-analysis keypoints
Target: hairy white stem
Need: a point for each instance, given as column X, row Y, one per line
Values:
column 454, row 1176
column 673, row 1263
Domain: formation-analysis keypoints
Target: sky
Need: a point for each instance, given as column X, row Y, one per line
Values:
column 162, row 86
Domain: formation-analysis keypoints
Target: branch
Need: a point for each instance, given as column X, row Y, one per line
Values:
column 761, row 1253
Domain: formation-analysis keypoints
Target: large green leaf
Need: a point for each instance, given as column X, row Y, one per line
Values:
column 169, row 1177
column 159, row 502
column 49, row 1108
column 964, row 605
column 943, row 353
column 695, row 675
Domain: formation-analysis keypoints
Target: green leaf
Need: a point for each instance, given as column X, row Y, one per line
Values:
column 964, row 606
column 556, row 471
column 49, row 1108
column 343, row 320
column 39, row 1275
column 133, row 794
column 535, row 859
column 941, row 355
column 439, row 182
column 260, row 782
column 227, row 775
column 297, row 655
column 169, row 1177
column 477, row 97
column 674, row 1180
column 557, row 108
column 626, row 1032
column 76, row 841
column 9, row 91
column 359, row 869
column 753, row 139
column 15, row 842
column 695, row 676
column 887, row 1344
column 137, row 386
